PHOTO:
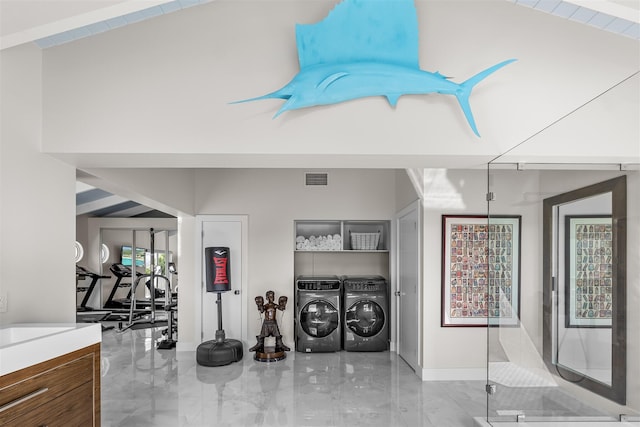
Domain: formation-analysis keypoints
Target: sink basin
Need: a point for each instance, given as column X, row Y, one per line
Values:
column 13, row 335
column 26, row 344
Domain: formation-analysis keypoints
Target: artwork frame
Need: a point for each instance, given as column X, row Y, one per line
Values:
column 595, row 263
column 481, row 270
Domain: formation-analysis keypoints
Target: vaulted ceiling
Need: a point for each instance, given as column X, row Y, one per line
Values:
column 53, row 22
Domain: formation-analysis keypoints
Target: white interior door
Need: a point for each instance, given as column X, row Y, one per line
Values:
column 408, row 222
column 227, row 231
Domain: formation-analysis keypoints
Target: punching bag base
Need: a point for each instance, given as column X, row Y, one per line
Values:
column 219, row 353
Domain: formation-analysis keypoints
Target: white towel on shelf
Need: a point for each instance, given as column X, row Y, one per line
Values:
column 330, row 242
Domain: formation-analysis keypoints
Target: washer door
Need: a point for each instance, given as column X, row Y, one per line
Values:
column 365, row 318
column 318, row 318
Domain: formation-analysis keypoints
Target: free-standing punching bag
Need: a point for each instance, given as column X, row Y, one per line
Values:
column 221, row 351
column 218, row 273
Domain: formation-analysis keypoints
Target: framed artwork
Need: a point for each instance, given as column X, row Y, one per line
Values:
column 480, row 270
column 589, row 271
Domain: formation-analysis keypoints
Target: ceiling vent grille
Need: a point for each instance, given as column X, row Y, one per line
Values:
column 316, row 179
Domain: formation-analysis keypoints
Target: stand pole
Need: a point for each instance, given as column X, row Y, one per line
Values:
column 219, row 303
column 220, row 335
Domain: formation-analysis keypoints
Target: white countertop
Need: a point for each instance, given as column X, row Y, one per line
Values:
column 26, row 344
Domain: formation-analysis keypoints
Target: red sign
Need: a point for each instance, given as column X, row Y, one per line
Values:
column 221, row 271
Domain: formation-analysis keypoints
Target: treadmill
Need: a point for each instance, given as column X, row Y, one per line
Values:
column 121, row 307
column 82, row 274
column 84, row 313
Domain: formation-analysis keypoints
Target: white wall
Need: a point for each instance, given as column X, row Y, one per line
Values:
column 405, row 192
column 578, row 138
column 189, row 281
column 459, row 352
column 447, row 350
column 633, row 290
column 37, row 228
column 519, row 194
column 157, row 93
column 81, row 230
column 273, row 199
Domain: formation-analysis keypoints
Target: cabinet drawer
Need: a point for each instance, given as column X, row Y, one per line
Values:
column 27, row 394
column 74, row 409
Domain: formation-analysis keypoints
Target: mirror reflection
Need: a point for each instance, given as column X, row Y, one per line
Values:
column 584, row 290
column 584, row 286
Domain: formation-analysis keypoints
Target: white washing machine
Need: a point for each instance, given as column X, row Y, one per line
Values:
column 318, row 309
column 365, row 320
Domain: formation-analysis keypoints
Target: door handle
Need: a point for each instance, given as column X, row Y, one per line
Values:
column 397, row 293
column 236, row 292
column 23, row 399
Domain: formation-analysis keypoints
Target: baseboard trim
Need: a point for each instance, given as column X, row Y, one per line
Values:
column 186, row 346
column 461, row 374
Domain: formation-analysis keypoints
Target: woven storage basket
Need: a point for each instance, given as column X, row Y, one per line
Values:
column 365, row 241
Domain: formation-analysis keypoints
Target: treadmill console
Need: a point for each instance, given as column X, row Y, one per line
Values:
column 120, row 270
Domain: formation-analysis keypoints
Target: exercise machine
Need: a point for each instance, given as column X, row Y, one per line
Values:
column 120, row 307
column 82, row 274
column 171, row 310
column 166, row 303
column 121, row 272
column 84, row 313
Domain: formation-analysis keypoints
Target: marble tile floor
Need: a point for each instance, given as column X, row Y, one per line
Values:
column 143, row 386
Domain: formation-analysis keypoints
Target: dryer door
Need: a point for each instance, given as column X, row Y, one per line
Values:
column 318, row 318
column 365, row 318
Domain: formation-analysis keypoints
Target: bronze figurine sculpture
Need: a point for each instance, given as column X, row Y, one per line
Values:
column 270, row 328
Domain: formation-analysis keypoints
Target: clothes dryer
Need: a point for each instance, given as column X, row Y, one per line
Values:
column 366, row 313
column 318, row 309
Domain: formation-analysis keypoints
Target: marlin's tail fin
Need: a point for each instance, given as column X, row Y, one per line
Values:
column 466, row 87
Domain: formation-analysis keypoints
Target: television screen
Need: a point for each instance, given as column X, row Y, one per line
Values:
column 125, row 258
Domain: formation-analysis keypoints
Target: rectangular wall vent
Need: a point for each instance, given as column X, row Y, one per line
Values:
column 316, row 179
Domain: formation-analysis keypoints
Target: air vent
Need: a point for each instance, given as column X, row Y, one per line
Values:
column 316, row 179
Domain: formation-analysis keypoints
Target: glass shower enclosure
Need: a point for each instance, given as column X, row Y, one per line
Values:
column 563, row 289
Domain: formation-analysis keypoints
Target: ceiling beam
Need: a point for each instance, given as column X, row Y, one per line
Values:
column 24, row 30
column 99, row 204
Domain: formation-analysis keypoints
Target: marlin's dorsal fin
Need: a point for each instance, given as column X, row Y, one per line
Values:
column 330, row 79
column 360, row 30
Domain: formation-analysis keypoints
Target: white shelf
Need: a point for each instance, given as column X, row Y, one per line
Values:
column 343, row 228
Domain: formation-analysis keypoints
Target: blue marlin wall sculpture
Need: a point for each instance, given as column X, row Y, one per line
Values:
column 366, row 48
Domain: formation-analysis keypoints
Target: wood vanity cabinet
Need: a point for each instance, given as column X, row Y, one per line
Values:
column 64, row 391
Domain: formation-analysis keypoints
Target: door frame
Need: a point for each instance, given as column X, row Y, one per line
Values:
column 200, row 274
column 413, row 206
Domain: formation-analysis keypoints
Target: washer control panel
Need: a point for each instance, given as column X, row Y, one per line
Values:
column 319, row 283
column 365, row 284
